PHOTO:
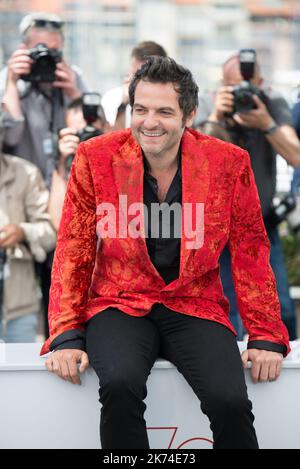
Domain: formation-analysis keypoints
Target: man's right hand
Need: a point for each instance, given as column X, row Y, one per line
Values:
column 19, row 63
column 68, row 142
column 64, row 364
column 224, row 102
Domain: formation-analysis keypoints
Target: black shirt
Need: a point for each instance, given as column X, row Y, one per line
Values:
column 164, row 252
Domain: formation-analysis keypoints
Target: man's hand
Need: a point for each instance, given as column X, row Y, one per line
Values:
column 64, row 364
column 266, row 366
column 258, row 118
column 224, row 101
column 66, row 80
column 19, row 63
column 11, row 235
column 125, row 89
column 67, row 142
column 67, row 146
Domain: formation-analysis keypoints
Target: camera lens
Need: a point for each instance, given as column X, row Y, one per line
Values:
column 243, row 101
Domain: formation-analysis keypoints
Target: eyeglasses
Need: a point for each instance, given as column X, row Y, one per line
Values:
column 27, row 24
column 44, row 23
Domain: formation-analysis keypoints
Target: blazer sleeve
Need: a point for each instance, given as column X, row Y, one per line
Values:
column 74, row 255
column 253, row 277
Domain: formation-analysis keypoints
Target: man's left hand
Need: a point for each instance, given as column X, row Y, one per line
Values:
column 66, row 80
column 266, row 365
column 258, row 118
column 11, row 235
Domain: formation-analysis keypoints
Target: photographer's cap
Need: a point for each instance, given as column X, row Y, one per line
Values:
column 40, row 20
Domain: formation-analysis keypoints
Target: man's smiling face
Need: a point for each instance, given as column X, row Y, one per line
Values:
column 157, row 120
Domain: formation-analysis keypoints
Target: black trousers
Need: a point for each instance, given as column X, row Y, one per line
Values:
column 122, row 350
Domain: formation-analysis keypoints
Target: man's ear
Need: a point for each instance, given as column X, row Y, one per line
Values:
column 190, row 118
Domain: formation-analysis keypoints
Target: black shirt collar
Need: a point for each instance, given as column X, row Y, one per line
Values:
column 147, row 166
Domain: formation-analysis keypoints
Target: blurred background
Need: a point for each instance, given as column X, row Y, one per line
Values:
column 199, row 34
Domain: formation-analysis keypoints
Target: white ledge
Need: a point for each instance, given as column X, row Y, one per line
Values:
column 25, row 357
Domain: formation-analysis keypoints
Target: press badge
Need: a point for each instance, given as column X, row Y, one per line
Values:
column 48, row 146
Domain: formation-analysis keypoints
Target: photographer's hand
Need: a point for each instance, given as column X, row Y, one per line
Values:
column 283, row 139
column 258, row 118
column 125, row 88
column 11, row 235
column 66, row 80
column 18, row 64
column 67, row 145
column 223, row 104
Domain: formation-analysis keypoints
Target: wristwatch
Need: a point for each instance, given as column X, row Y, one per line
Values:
column 271, row 128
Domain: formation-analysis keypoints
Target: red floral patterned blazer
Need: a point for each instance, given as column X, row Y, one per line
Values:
column 90, row 275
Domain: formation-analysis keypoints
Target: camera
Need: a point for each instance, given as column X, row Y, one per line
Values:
column 92, row 111
column 285, row 210
column 44, row 66
column 84, row 134
column 293, row 218
column 244, row 92
column 88, row 132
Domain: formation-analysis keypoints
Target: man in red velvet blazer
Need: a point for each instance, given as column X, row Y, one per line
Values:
column 128, row 286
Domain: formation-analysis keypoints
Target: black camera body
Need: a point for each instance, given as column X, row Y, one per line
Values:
column 44, row 66
column 88, row 132
column 84, row 134
column 91, row 104
column 244, row 92
column 91, row 109
column 283, row 210
column 243, row 97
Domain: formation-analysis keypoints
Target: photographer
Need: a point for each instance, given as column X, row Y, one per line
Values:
column 26, row 234
column 37, row 85
column 116, row 101
column 85, row 119
column 260, row 122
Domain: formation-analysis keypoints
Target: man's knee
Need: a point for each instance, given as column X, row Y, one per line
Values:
column 226, row 404
column 122, row 384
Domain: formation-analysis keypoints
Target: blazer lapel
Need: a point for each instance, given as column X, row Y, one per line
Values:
column 195, row 185
column 128, row 169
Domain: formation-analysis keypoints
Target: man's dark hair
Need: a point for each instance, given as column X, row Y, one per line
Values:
column 166, row 70
column 146, row 48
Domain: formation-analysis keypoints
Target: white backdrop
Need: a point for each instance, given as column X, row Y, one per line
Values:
column 39, row 410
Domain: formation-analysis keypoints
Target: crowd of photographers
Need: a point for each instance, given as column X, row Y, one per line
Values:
column 260, row 121
column 46, row 111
